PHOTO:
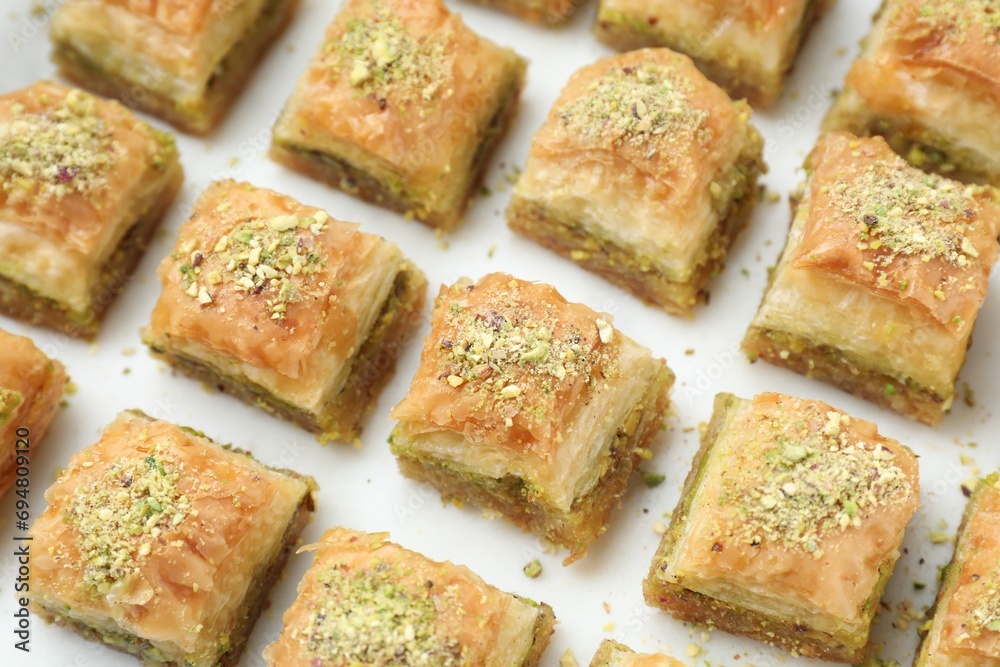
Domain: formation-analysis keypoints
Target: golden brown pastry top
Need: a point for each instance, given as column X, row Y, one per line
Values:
column 956, row 40
column 810, row 503
column 972, row 614
column 184, row 17
column 264, row 280
column 400, row 604
column 158, row 528
column 506, row 361
column 71, row 163
column 763, row 15
column 653, row 111
column 919, row 239
column 405, row 80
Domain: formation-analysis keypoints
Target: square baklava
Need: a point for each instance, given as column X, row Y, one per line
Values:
column 161, row 543
column 965, row 629
column 285, row 307
column 367, row 601
column 748, row 48
column 402, row 106
column 644, row 172
column 530, row 407
column 542, row 12
column 83, row 186
column 613, row 654
column 788, row 528
column 928, row 81
column 31, row 388
column 184, row 61
column 881, row 280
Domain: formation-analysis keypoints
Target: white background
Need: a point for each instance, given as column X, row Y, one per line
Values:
column 361, row 487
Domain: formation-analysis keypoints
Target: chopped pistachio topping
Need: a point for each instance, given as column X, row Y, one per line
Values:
column 816, row 481
column 646, row 105
column 260, row 256
column 901, row 212
column 120, row 516
column 501, row 353
column 58, row 151
column 367, row 617
column 381, row 57
column 9, row 402
column 533, row 570
column 953, row 19
column 986, row 614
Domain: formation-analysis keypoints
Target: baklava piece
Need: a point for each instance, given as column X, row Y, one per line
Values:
column 530, row 407
column 788, row 527
column 884, row 273
column 644, row 173
column 367, row 601
column 613, row 654
column 402, row 106
column 285, row 307
column 965, row 630
column 161, row 543
column 542, row 12
column 31, row 388
column 928, row 81
column 748, row 48
column 182, row 60
column 83, row 186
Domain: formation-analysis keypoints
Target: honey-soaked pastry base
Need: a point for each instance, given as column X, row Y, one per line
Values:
column 343, row 175
column 254, row 605
column 760, row 88
column 919, row 145
column 21, row 303
column 372, row 367
column 578, row 528
column 687, row 605
column 200, row 117
column 618, row 264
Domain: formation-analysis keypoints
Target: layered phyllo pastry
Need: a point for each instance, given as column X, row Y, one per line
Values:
column 182, row 60
column 161, row 543
column 788, row 527
column 884, row 273
column 542, row 12
column 285, row 307
column 83, row 186
column 367, row 601
column 530, row 407
column 31, row 388
column 644, row 172
column 748, row 48
column 612, row 654
column 965, row 630
column 928, row 81
column 402, row 106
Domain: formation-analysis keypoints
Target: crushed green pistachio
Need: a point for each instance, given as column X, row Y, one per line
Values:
column 367, row 618
column 646, row 105
column 260, row 256
column 119, row 516
column 652, row 479
column 59, row 151
column 381, row 57
column 903, row 213
column 533, row 569
column 10, row 400
column 986, row 614
column 952, row 20
column 817, row 481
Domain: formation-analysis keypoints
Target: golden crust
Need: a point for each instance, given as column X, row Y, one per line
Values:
column 612, row 654
column 948, row 287
column 31, row 387
column 404, row 91
column 457, row 616
column 175, row 580
column 953, row 43
column 317, row 327
column 477, row 406
column 60, row 206
column 184, row 17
